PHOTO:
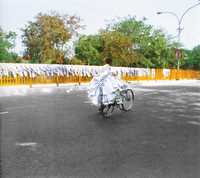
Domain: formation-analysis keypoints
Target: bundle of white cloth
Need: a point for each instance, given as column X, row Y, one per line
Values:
column 102, row 88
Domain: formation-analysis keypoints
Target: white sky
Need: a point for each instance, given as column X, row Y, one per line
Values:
column 14, row 14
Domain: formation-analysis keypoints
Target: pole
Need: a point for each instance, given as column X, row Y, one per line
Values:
column 179, row 29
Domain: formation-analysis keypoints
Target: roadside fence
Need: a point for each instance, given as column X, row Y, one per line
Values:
column 32, row 74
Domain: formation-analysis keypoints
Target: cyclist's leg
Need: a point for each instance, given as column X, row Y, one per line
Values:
column 101, row 105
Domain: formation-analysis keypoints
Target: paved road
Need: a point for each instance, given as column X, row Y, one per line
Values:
column 56, row 132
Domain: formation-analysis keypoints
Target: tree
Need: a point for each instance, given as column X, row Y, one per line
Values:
column 153, row 45
column 7, row 43
column 119, row 47
column 88, row 49
column 92, row 49
column 192, row 59
column 196, row 57
column 46, row 38
column 129, row 42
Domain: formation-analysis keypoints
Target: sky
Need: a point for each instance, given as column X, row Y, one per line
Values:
column 95, row 14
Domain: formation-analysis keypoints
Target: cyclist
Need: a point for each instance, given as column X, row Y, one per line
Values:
column 102, row 88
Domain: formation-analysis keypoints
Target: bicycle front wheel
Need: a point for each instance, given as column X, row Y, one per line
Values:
column 128, row 100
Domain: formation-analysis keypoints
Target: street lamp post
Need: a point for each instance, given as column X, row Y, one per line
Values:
column 179, row 29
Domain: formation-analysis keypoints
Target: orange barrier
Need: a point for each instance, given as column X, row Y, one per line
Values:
column 156, row 74
column 174, row 74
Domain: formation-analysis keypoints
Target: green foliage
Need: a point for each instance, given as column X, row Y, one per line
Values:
column 93, row 49
column 192, row 59
column 154, row 47
column 196, row 57
column 7, row 42
column 45, row 39
column 76, row 61
column 88, row 49
column 130, row 43
column 119, row 47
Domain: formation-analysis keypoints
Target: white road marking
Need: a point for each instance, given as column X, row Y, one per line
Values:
column 20, row 107
column 68, row 91
column 26, row 144
column 87, row 102
column 196, row 104
column 194, row 122
column 5, row 112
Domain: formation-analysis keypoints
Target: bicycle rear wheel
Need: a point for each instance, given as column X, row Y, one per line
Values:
column 128, row 100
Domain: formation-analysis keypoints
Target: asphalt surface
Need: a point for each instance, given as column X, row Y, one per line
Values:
column 55, row 132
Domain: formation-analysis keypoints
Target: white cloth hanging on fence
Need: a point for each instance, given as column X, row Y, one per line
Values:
column 33, row 70
column 166, row 72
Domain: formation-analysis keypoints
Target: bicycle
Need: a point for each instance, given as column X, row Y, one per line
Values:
column 124, row 99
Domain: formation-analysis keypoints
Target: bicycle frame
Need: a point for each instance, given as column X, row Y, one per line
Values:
column 118, row 102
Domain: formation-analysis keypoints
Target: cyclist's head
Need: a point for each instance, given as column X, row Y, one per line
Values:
column 108, row 60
